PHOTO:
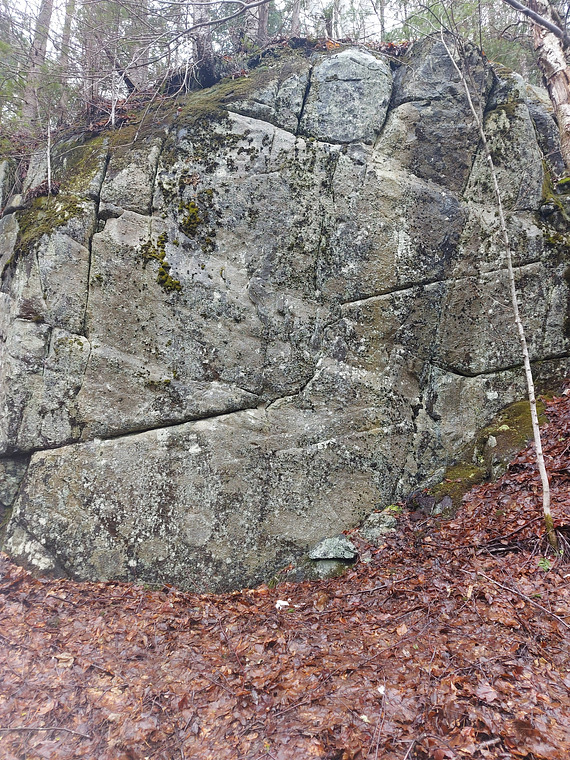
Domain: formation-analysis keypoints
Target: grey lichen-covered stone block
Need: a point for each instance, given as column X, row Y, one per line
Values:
column 337, row 547
column 276, row 308
column 129, row 180
column 280, row 100
column 348, row 98
column 378, row 524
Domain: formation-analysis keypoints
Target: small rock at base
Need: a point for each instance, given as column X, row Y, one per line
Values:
column 338, row 547
column 377, row 525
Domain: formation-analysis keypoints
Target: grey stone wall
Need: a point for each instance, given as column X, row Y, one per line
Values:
column 279, row 308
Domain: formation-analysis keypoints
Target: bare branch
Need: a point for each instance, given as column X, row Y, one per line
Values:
column 21, row 729
column 525, row 597
column 538, row 19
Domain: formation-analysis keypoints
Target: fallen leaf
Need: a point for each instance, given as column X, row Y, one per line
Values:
column 486, row 692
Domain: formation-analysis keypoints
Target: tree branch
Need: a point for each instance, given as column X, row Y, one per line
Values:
column 525, row 597
column 44, row 728
column 540, row 20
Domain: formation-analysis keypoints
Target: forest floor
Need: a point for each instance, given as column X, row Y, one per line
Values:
column 451, row 641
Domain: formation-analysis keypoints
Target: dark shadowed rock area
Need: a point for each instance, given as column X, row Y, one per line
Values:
column 247, row 323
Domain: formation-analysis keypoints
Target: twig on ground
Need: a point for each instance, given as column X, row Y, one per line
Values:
column 61, row 599
column 490, row 742
column 410, row 748
column 357, row 592
column 522, row 596
column 512, row 533
column 44, row 728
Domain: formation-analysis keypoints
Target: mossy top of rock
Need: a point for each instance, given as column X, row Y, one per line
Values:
column 211, row 104
column 80, row 161
column 44, row 215
column 511, row 428
column 203, row 107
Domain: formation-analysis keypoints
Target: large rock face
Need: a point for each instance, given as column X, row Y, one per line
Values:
column 244, row 327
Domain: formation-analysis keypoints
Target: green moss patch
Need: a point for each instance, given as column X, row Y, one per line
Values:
column 197, row 217
column 554, row 196
column 457, row 481
column 44, row 215
column 488, row 458
column 191, row 218
column 511, row 429
column 149, row 251
column 82, row 162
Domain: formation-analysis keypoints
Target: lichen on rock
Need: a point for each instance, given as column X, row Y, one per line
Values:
column 248, row 321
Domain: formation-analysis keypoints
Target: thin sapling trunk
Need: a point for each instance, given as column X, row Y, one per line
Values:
column 548, row 522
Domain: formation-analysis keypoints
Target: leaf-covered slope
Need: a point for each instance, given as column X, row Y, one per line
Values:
column 446, row 641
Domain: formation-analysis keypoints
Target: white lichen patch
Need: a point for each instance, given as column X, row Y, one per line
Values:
column 21, row 545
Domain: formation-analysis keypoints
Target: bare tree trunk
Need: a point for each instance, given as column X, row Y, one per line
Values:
column 90, row 57
column 263, row 24
column 37, row 59
column 48, row 157
column 250, row 26
column 336, row 19
column 143, row 53
column 116, row 66
column 296, row 18
column 328, row 16
column 380, row 11
column 204, row 48
column 552, row 61
column 548, row 522
column 64, row 57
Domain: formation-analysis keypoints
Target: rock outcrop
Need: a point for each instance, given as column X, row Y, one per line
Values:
column 244, row 324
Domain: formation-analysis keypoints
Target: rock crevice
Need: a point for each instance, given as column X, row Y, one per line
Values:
column 248, row 325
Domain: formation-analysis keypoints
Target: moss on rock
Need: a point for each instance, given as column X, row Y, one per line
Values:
column 81, row 163
column 44, row 215
column 488, row 457
column 191, row 218
column 457, row 481
column 149, row 251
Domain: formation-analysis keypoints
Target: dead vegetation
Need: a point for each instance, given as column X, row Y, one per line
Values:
column 446, row 641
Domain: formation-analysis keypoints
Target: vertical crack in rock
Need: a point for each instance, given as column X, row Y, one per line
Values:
column 330, row 171
column 270, row 152
column 357, row 402
column 97, row 200
column 40, row 283
column 483, row 111
column 48, row 348
column 157, row 165
column 389, row 109
column 304, row 102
